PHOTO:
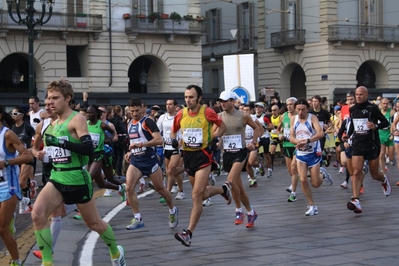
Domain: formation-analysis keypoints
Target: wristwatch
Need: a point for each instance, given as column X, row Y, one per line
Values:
column 308, row 141
column 6, row 163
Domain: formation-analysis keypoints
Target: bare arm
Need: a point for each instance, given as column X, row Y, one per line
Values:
column 13, row 143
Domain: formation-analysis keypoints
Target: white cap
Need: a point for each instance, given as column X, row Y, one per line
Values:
column 260, row 104
column 226, row 95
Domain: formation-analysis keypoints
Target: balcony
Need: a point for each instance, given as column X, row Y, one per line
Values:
column 285, row 38
column 59, row 22
column 362, row 34
column 168, row 27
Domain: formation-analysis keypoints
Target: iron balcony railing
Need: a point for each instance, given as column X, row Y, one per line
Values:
column 57, row 22
column 164, row 26
column 387, row 34
column 287, row 37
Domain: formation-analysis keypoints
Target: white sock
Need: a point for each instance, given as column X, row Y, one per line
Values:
column 55, row 228
column 238, row 209
column 137, row 216
column 172, row 211
column 251, row 212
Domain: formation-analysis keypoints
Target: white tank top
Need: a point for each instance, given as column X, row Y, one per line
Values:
column 33, row 116
column 305, row 130
column 165, row 123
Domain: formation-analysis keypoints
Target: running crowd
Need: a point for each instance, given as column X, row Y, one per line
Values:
column 123, row 148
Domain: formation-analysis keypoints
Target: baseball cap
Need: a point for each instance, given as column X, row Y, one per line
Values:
column 155, row 107
column 226, row 95
column 260, row 104
column 337, row 107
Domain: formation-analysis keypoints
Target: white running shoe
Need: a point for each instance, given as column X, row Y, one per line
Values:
column 23, row 204
column 108, row 193
column 312, row 210
column 207, row 202
column 269, row 172
column 344, row 185
column 180, row 195
column 212, row 180
column 326, row 176
column 174, row 189
column 121, row 260
column 354, row 205
column 341, row 170
column 386, row 187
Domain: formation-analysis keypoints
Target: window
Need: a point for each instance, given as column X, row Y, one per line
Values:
column 245, row 34
column 371, row 16
column 77, row 61
column 215, row 81
column 291, row 20
column 214, row 26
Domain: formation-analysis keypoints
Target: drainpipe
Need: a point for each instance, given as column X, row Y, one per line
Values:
column 110, row 43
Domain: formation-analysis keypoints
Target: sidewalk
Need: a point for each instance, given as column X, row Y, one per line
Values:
column 282, row 235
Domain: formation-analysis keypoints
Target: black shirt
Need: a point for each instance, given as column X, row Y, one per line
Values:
column 362, row 113
column 25, row 132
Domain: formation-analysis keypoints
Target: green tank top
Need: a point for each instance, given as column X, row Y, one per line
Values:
column 97, row 135
column 66, row 159
column 286, row 130
column 385, row 132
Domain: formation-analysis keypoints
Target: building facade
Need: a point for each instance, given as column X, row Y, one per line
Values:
column 113, row 50
column 326, row 48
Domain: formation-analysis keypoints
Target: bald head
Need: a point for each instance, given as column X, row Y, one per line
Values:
column 361, row 94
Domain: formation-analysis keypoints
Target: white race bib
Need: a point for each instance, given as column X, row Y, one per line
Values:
column 137, row 151
column 95, row 138
column 60, row 155
column 286, row 133
column 232, row 142
column 192, row 137
column 48, row 154
column 360, row 125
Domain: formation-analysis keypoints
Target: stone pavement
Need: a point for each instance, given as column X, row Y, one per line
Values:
column 283, row 235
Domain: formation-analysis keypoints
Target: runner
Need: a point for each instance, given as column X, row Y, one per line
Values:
column 289, row 148
column 144, row 135
column 69, row 183
column 274, row 139
column 386, row 137
column 195, row 122
column 305, row 132
column 265, row 138
column 235, row 154
column 366, row 118
column 10, row 192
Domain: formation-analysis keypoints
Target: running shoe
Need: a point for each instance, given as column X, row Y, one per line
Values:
column 174, row 189
column 269, row 172
column 354, row 205
column 239, row 218
column 292, row 197
column 253, row 183
column 312, row 210
column 393, row 163
column 219, row 170
column 77, row 216
column 28, row 209
column 212, row 180
column 37, row 254
column 143, row 187
column 289, row 189
column 15, row 263
column 386, row 159
column 341, row 170
column 251, row 220
column 386, row 187
column 336, row 164
column 122, row 193
column 328, row 159
column 256, row 172
column 108, row 193
column 23, row 204
column 365, row 169
column 162, row 200
column 261, row 169
column 344, row 185
column 121, row 260
column 33, row 188
column 227, row 194
column 180, row 195
column 207, row 202
column 135, row 224
column 326, row 176
column 184, row 238
column 173, row 219
column 12, row 228
column 361, row 191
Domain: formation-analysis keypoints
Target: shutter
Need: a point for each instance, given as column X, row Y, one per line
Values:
column 298, row 14
column 282, row 16
column 251, row 25
column 208, row 27
column 239, row 27
column 219, row 23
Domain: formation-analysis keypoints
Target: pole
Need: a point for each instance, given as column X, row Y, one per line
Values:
column 30, row 23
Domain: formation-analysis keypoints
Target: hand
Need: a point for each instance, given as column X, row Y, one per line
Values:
column 36, row 120
column 40, row 155
column 175, row 143
column 214, row 143
column 135, row 145
column 274, row 131
column 127, row 157
column 54, row 141
column 85, row 96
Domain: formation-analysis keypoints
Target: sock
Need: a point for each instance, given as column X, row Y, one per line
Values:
column 251, row 212
column 45, row 243
column 142, row 181
column 347, row 175
column 238, row 209
column 293, row 193
column 172, row 211
column 55, row 227
column 120, row 188
column 137, row 216
column 272, row 159
column 386, row 179
column 109, row 238
column 26, row 192
column 188, row 231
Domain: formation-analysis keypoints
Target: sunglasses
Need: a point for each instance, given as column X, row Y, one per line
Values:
column 274, row 110
column 225, row 101
column 15, row 114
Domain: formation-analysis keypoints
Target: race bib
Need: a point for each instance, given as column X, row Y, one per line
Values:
column 60, row 155
column 137, row 151
column 232, row 143
column 192, row 137
column 95, row 138
column 48, row 154
column 360, row 125
column 286, row 132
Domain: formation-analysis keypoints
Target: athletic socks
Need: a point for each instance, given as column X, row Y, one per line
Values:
column 55, row 227
column 109, row 238
column 45, row 243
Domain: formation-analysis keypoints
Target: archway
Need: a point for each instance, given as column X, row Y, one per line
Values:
column 156, row 73
column 293, row 81
column 12, row 63
column 372, row 74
